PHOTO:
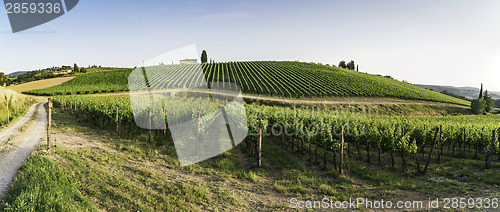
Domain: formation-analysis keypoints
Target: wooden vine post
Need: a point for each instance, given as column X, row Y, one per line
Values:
column 258, row 149
column 499, row 147
column 49, row 122
column 440, row 143
column 149, row 124
column 198, row 131
column 165, row 117
column 490, row 153
column 341, row 163
column 117, row 124
column 403, row 160
column 432, row 149
column 463, row 149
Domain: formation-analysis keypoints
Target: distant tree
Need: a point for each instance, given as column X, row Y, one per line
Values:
column 497, row 103
column 82, row 70
column 4, row 79
column 478, row 106
column 489, row 102
column 357, row 67
column 204, row 56
column 350, row 65
column 342, row 64
column 481, row 91
column 75, row 68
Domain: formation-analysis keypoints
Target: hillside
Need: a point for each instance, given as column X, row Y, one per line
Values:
column 278, row 79
column 15, row 74
column 469, row 92
column 39, row 84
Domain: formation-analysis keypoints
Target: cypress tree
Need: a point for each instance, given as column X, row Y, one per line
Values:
column 481, row 91
column 204, row 56
column 75, row 68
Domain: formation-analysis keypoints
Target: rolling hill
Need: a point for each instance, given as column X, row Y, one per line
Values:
column 15, row 74
column 268, row 78
column 40, row 84
column 469, row 92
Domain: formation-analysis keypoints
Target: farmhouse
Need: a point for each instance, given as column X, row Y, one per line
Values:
column 188, row 61
column 63, row 72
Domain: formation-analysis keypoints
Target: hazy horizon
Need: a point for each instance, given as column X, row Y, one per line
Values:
column 439, row 43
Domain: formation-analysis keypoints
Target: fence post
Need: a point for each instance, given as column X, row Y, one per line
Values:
column 463, row 151
column 149, row 124
column 258, row 150
column 490, row 153
column 341, row 163
column 440, row 143
column 499, row 147
column 49, row 122
column 198, row 130
column 432, row 149
column 403, row 160
column 117, row 124
column 166, row 123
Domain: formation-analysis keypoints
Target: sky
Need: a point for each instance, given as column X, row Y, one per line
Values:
column 427, row 42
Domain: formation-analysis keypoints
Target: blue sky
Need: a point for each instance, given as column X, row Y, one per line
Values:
column 430, row 42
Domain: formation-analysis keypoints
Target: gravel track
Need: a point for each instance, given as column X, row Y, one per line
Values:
column 20, row 144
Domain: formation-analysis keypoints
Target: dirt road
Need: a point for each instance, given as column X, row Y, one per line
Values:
column 288, row 101
column 16, row 145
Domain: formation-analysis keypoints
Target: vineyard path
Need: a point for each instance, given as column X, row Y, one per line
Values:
column 17, row 143
column 293, row 101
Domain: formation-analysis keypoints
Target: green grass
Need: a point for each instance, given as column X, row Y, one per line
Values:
column 278, row 79
column 43, row 185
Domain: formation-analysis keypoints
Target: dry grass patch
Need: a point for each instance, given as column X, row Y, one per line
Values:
column 47, row 83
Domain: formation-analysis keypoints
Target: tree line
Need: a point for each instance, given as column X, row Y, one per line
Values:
column 41, row 74
column 349, row 65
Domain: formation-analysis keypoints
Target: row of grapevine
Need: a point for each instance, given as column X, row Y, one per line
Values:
column 309, row 129
column 394, row 135
column 280, row 79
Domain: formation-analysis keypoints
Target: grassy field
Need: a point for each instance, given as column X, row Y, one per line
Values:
column 277, row 79
column 40, row 84
column 94, row 170
column 12, row 105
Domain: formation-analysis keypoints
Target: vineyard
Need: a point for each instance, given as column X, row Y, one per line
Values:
column 313, row 129
column 278, row 79
column 97, row 82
